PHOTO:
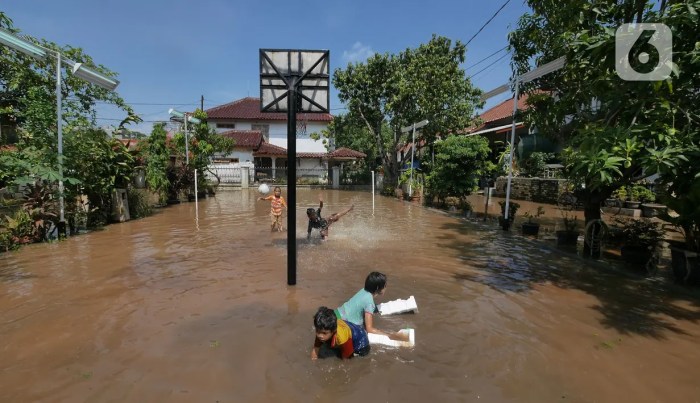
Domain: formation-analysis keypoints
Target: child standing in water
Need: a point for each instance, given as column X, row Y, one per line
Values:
column 276, row 203
column 336, row 337
column 322, row 224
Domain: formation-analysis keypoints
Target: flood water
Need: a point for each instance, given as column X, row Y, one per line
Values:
column 166, row 309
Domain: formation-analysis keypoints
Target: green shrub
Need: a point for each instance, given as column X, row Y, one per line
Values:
column 642, row 194
column 138, row 204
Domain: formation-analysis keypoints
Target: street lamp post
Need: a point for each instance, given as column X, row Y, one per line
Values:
column 413, row 127
column 78, row 70
column 524, row 78
column 185, row 116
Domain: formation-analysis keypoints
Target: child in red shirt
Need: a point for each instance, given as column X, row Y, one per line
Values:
column 336, row 337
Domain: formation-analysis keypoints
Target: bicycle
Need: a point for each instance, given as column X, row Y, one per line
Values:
column 568, row 201
column 612, row 206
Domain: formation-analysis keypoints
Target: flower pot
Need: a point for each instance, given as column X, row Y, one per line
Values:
column 531, row 228
column 685, row 265
column 632, row 204
column 612, row 202
column 652, row 209
column 567, row 237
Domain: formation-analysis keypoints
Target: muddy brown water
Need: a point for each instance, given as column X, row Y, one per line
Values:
column 169, row 309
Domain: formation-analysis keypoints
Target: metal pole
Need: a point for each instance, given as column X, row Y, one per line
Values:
column 59, row 125
column 292, row 183
column 372, row 192
column 512, row 148
column 187, row 145
column 196, row 199
column 487, row 193
column 413, row 148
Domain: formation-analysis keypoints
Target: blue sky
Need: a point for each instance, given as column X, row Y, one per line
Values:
column 170, row 53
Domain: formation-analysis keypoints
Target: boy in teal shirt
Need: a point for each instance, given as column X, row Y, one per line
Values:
column 361, row 307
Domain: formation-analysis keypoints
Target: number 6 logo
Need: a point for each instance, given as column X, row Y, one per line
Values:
column 643, row 52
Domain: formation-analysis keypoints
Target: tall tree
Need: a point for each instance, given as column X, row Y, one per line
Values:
column 397, row 90
column 617, row 131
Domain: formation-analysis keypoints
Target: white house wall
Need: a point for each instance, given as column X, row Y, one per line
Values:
column 242, row 155
column 278, row 134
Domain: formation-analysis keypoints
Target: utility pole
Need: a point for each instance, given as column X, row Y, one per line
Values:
column 202, row 103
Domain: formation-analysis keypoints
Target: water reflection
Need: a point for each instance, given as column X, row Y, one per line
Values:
column 170, row 308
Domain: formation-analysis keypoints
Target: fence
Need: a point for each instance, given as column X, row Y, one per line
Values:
column 231, row 175
column 227, row 175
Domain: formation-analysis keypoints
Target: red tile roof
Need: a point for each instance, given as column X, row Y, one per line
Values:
column 245, row 138
column 312, row 155
column 503, row 110
column 249, row 109
column 8, row 147
column 498, row 112
column 270, row 149
column 344, row 152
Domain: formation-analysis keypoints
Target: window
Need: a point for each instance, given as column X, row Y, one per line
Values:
column 264, row 129
column 225, row 125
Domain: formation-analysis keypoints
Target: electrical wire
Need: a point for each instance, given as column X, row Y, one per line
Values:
column 487, row 22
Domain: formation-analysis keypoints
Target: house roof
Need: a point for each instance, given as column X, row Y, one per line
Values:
column 501, row 111
column 245, row 138
column 270, row 149
column 249, row 109
column 312, row 155
column 345, row 152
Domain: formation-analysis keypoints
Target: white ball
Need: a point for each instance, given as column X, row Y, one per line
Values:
column 264, row 189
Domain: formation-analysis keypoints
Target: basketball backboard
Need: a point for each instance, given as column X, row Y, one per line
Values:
column 307, row 71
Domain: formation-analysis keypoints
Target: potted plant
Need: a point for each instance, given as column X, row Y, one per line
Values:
column 512, row 209
column 685, row 254
column 411, row 183
column 530, row 227
column 569, row 235
column 638, row 194
column 617, row 198
column 641, row 238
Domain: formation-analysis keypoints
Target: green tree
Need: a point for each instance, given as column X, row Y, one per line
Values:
column 101, row 164
column 617, row 131
column 157, row 161
column 396, row 90
column 204, row 143
column 349, row 131
column 459, row 163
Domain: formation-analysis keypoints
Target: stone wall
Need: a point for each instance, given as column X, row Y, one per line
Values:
column 538, row 190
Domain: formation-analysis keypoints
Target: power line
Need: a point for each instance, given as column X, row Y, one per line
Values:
column 487, row 22
column 494, row 62
column 487, row 57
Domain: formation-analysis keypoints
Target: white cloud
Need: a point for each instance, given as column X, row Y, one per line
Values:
column 358, row 53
